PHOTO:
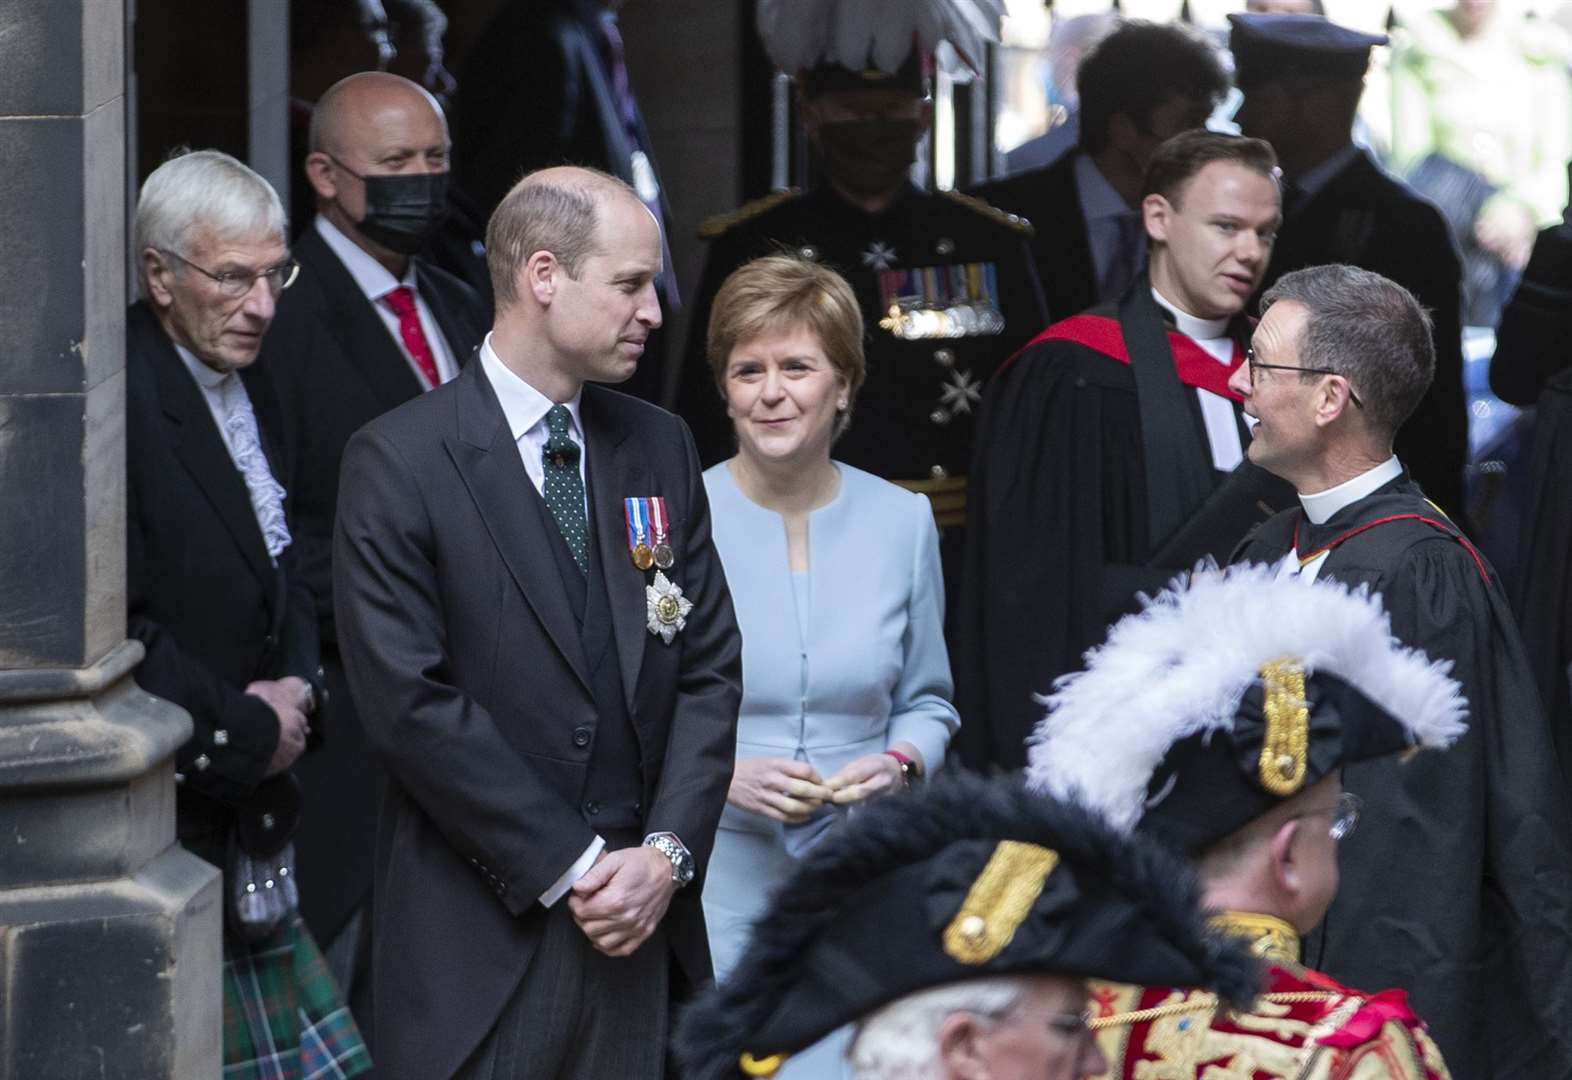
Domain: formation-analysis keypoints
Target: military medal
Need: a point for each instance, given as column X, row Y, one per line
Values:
column 635, row 511
column 666, row 609
column 660, row 525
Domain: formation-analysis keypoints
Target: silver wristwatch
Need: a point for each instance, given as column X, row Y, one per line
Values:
column 681, row 862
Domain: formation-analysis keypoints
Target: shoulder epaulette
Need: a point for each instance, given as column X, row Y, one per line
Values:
column 993, row 213
column 712, row 227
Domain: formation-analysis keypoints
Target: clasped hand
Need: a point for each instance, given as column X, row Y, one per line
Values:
column 622, row 898
column 790, row 791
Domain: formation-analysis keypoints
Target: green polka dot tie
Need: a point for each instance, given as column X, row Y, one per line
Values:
column 564, row 487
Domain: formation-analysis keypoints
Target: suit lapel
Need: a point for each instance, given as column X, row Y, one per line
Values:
column 618, row 474
column 348, row 317
column 461, row 338
column 196, row 442
column 487, row 458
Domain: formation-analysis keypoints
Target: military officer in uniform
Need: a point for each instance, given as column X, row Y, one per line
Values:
column 945, row 282
column 1220, row 721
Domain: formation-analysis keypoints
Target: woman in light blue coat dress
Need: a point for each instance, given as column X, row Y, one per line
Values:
column 835, row 577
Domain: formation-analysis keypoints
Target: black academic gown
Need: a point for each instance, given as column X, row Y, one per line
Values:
column 1092, row 481
column 1455, row 886
column 1366, row 218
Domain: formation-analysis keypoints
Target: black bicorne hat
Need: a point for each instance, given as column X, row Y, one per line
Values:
column 968, row 878
column 1233, row 691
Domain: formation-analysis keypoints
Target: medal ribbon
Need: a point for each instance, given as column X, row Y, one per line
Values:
column 659, row 522
column 634, row 512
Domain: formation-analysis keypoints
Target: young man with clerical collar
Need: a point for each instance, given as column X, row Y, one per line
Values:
column 955, row 930
column 1110, row 449
column 1467, row 865
column 1221, row 721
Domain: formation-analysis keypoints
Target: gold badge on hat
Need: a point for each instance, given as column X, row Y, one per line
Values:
column 998, row 901
column 1285, row 748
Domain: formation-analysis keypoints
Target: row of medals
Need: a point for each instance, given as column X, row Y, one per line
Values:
column 646, row 557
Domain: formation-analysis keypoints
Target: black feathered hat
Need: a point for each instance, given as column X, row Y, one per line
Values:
column 968, row 878
column 1230, row 692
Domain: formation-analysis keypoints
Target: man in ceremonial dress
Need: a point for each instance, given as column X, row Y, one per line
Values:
column 957, row 929
column 945, row 282
column 1302, row 79
column 1110, row 450
column 1218, row 721
column 1464, row 875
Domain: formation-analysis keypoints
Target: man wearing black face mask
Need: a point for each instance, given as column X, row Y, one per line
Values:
column 945, row 282
column 368, row 326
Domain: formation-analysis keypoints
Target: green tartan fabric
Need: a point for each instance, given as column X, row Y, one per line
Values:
column 284, row 1017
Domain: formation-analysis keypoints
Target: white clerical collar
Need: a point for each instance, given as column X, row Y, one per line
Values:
column 1314, row 179
column 207, row 378
column 1099, row 199
column 522, row 404
column 374, row 280
column 1190, row 326
column 1320, row 507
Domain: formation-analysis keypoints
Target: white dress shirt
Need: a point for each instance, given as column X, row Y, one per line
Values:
column 375, row 282
column 1217, row 413
column 1102, row 207
column 525, row 409
column 219, row 392
column 1320, row 508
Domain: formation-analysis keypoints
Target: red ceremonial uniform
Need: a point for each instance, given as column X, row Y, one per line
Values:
column 1305, row 1026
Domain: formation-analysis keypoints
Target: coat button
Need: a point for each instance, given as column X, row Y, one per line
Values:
column 270, row 641
column 581, row 737
column 220, row 737
column 592, row 807
column 202, row 761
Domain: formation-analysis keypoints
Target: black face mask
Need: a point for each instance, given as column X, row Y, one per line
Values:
column 869, row 157
column 403, row 210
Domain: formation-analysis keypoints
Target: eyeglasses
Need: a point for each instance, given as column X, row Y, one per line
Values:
column 1071, row 1025
column 234, row 284
column 1345, row 815
column 1256, row 365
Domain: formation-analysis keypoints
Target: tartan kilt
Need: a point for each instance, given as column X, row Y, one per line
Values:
column 284, row 1016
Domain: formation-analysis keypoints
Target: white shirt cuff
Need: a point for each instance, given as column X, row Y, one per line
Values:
column 560, row 887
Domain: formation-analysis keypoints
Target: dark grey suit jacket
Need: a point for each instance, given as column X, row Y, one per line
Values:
column 465, row 662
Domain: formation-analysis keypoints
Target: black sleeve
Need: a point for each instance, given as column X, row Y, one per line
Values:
column 1536, row 324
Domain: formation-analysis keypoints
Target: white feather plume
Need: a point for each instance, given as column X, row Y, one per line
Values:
column 856, row 33
column 1182, row 664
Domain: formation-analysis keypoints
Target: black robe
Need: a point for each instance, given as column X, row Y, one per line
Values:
column 1092, row 481
column 1455, row 885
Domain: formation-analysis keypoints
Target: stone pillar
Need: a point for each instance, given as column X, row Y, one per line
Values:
column 109, row 932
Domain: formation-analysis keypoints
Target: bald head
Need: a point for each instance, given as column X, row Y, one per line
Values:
column 370, row 106
column 557, row 210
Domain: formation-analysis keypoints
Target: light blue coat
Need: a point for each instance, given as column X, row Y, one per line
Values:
column 868, row 668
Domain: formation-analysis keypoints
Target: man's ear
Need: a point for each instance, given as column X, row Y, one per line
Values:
column 1156, row 212
column 319, row 171
column 541, row 273
column 1286, row 874
column 958, row 1047
column 156, row 273
column 1332, row 399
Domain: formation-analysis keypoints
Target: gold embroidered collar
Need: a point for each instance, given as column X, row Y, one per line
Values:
column 1270, row 938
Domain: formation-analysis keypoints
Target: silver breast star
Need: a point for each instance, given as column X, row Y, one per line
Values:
column 960, row 393
column 879, row 256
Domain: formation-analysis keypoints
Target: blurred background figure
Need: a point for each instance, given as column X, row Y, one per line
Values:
column 1070, row 40
column 1482, row 124
column 328, row 39
column 547, row 84
column 835, row 577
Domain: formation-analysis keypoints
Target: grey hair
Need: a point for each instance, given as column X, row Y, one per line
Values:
column 204, row 188
column 1368, row 329
column 556, row 215
column 901, row 1040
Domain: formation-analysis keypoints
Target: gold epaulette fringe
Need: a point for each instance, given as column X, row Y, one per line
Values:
column 993, row 213
column 712, row 227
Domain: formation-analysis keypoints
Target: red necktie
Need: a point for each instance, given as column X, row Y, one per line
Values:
column 402, row 301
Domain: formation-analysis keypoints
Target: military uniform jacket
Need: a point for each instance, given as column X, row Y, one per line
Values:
column 1306, row 1026
column 947, row 293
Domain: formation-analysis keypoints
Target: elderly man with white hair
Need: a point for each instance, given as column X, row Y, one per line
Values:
column 229, row 628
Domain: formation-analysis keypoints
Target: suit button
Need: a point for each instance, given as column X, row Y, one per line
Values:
column 592, row 807
column 270, row 641
column 581, row 737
